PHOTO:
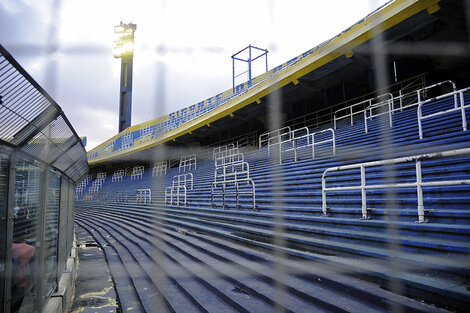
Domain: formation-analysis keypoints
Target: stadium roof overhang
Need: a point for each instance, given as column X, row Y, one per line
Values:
column 32, row 122
column 406, row 28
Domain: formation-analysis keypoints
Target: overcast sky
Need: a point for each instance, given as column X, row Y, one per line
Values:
column 182, row 55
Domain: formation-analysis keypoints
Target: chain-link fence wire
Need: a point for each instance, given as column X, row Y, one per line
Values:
column 276, row 121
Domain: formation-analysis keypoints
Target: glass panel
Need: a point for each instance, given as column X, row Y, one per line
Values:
column 25, row 235
column 51, row 232
column 3, row 219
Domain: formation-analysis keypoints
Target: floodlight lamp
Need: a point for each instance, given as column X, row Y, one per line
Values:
column 124, row 40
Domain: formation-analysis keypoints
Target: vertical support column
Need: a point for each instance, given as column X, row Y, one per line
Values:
column 39, row 271
column 125, row 95
column 6, row 301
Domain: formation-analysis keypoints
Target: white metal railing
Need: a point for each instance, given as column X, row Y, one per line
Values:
column 179, row 187
column 143, row 196
column 187, row 163
column 160, row 168
column 224, row 150
column 351, row 113
column 184, row 180
column 373, row 105
column 228, row 180
column 306, row 140
column 419, row 184
column 456, row 108
column 137, row 172
column 176, row 192
column 101, row 175
column 266, row 138
column 379, row 106
column 122, row 196
column 391, row 105
column 229, row 159
column 117, row 176
column 423, row 90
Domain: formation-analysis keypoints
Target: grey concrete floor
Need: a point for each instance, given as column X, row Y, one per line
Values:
column 94, row 289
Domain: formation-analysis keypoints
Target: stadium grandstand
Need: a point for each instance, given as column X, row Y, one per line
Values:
column 334, row 182
column 337, row 181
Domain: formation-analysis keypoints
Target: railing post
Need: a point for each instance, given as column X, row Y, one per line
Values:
column 401, row 100
column 323, row 193
column 363, row 192
column 352, row 119
column 334, row 142
column 419, row 190
column 365, row 121
column 420, row 127
column 462, row 107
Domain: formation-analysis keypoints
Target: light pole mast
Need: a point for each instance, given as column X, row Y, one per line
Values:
column 124, row 49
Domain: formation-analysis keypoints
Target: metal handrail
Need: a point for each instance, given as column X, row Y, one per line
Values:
column 121, row 196
column 456, row 108
column 454, row 89
column 142, row 195
column 182, row 179
column 219, row 151
column 237, row 192
column 310, row 139
column 374, row 106
column 177, row 195
column 137, row 172
column 419, row 184
column 229, row 159
column 187, row 162
column 117, row 176
column 232, row 174
column 264, row 138
column 351, row 114
column 160, row 168
column 241, row 168
column 325, row 116
column 390, row 102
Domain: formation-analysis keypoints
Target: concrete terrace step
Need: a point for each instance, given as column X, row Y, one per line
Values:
column 299, row 295
column 414, row 282
column 306, row 243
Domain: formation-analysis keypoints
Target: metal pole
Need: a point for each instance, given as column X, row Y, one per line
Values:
column 266, row 58
column 464, row 118
column 323, row 193
column 363, row 192
column 233, row 75
column 365, row 120
column 419, row 190
column 420, row 128
column 249, row 65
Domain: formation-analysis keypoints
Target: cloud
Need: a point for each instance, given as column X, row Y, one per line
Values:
column 182, row 56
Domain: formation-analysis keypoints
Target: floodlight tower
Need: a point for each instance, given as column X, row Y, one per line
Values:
column 124, row 49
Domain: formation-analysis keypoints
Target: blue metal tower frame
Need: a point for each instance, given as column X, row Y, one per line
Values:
column 249, row 60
